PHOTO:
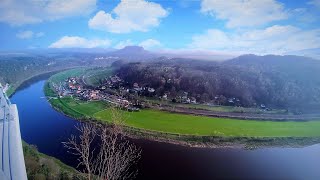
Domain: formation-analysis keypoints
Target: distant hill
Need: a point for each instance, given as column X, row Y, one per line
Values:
column 272, row 60
column 314, row 53
column 133, row 53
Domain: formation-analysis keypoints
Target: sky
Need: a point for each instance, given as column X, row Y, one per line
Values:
column 230, row 26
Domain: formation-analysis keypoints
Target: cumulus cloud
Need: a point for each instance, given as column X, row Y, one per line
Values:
column 128, row 16
column 20, row 12
column 240, row 13
column 275, row 39
column 150, row 43
column 79, row 42
column 28, row 34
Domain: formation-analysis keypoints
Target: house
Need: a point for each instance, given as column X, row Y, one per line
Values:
column 188, row 101
column 135, row 85
column 193, row 100
column 165, row 97
column 124, row 103
column 151, row 90
column 231, row 100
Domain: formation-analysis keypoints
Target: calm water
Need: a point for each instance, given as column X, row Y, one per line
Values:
column 46, row 128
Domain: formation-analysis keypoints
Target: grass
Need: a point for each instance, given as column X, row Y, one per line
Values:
column 65, row 108
column 62, row 76
column 48, row 91
column 93, row 77
column 86, row 108
column 155, row 120
column 40, row 166
column 78, row 109
column 10, row 91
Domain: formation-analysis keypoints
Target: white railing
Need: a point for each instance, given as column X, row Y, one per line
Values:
column 12, row 166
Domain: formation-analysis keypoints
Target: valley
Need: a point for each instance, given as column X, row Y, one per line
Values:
column 181, row 122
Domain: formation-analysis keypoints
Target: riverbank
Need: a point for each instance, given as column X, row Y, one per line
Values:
column 212, row 141
column 41, row 166
column 189, row 130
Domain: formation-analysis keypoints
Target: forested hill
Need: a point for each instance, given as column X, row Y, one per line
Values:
column 298, row 76
column 278, row 81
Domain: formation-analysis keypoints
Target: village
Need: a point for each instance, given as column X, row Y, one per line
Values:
column 131, row 97
column 114, row 90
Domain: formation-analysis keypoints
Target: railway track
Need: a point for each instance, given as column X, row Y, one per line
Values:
column 242, row 116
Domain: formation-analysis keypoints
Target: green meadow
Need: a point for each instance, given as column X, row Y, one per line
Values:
column 160, row 121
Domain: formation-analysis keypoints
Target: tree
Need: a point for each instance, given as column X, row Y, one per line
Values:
column 114, row 155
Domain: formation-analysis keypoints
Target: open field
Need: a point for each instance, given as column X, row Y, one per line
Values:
column 77, row 109
column 205, row 126
column 65, row 74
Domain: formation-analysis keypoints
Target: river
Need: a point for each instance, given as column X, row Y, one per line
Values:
column 46, row 128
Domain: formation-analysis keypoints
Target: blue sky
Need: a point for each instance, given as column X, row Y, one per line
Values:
column 233, row 26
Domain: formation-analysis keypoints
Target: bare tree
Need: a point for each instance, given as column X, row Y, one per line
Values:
column 114, row 156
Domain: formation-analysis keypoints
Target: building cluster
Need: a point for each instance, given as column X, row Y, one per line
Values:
column 114, row 90
column 74, row 87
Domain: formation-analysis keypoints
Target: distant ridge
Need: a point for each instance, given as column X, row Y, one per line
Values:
column 271, row 60
column 133, row 53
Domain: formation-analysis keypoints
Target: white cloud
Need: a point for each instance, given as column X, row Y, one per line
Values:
column 128, row 16
column 198, row 54
column 20, row 12
column 272, row 40
column 24, row 35
column 29, row 34
column 79, row 42
column 240, row 13
column 315, row 3
column 147, row 44
column 39, row 34
column 150, row 43
column 123, row 44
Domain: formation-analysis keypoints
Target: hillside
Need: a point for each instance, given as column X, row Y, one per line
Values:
column 289, row 82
